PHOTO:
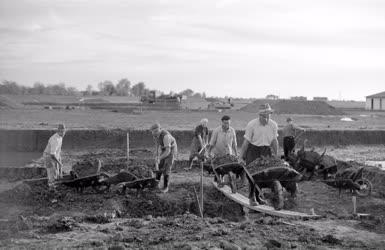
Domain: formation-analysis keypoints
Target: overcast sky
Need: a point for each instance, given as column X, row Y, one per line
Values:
column 238, row 48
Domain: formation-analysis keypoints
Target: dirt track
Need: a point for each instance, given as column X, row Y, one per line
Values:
column 169, row 221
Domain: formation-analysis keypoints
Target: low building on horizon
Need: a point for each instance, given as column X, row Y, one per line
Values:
column 320, row 98
column 375, row 102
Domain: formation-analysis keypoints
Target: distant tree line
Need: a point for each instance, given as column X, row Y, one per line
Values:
column 106, row 88
column 13, row 88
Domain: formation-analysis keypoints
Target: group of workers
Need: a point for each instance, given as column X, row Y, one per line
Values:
column 260, row 139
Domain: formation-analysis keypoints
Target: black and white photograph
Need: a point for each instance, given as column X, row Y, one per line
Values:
column 206, row 124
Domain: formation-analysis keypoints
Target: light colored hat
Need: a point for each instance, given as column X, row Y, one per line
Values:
column 265, row 109
column 155, row 126
column 61, row 127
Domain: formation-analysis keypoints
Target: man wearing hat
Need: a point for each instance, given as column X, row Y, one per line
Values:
column 260, row 137
column 289, row 133
column 168, row 150
column 52, row 156
column 223, row 140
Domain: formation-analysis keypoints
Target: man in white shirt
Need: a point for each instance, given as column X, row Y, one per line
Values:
column 52, row 156
column 166, row 144
column 223, row 140
column 260, row 136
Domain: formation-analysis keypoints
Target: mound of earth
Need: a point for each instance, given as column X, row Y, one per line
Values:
column 86, row 168
column 90, row 166
column 95, row 100
column 225, row 159
column 260, row 164
column 294, row 107
column 6, row 102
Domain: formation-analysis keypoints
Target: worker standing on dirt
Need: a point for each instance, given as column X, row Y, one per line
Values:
column 168, row 150
column 260, row 137
column 290, row 132
column 200, row 140
column 52, row 156
column 223, row 140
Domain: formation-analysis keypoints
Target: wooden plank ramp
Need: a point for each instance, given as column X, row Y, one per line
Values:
column 265, row 209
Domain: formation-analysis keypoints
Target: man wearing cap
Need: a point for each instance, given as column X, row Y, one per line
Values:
column 200, row 140
column 168, row 150
column 223, row 140
column 290, row 131
column 260, row 136
column 52, row 156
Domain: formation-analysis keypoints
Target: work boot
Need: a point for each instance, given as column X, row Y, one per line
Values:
column 165, row 184
column 157, row 177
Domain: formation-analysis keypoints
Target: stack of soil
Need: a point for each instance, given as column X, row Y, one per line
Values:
column 28, row 194
column 86, row 168
column 8, row 103
column 141, row 171
column 262, row 163
column 225, row 159
column 16, row 174
column 294, row 107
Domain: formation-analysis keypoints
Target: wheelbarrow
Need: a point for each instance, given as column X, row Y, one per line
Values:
column 351, row 179
column 95, row 181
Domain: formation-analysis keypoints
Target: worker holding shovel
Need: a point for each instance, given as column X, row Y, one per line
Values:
column 168, row 150
column 199, row 142
column 290, row 133
column 52, row 156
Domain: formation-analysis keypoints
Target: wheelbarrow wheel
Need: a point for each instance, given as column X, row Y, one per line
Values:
column 278, row 195
column 365, row 187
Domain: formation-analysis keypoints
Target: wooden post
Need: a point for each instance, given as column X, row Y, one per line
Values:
column 128, row 149
column 199, row 206
column 202, row 187
column 354, row 200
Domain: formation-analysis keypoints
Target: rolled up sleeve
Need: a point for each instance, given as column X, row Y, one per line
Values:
column 214, row 138
column 234, row 138
column 275, row 130
column 167, row 141
column 54, row 146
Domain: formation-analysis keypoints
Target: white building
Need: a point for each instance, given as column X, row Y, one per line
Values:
column 375, row 102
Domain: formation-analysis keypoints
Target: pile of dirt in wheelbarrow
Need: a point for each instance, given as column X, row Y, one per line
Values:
column 375, row 175
column 87, row 167
column 225, row 159
column 262, row 163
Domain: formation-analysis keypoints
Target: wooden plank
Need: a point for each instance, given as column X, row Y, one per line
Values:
column 244, row 201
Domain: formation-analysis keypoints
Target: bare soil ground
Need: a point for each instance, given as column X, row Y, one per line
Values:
column 101, row 119
column 32, row 217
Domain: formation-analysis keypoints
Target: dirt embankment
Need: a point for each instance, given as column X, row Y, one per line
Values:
column 36, row 140
column 295, row 107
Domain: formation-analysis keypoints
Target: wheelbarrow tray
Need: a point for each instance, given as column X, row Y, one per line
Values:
column 141, row 184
